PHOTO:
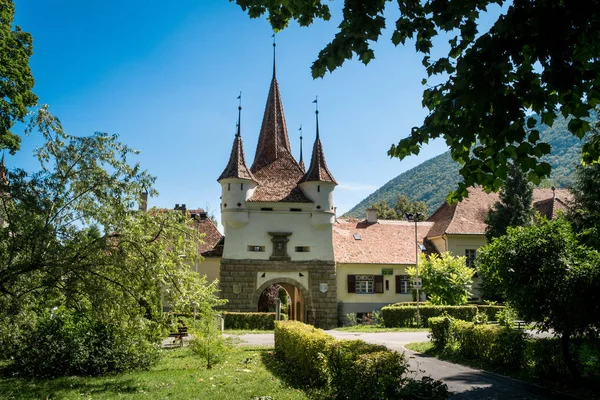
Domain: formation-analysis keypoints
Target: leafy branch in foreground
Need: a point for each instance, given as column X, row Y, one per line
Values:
column 538, row 56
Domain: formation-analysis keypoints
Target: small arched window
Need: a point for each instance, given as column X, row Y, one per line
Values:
column 318, row 188
column 229, row 186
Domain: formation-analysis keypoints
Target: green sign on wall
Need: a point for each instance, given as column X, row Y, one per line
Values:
column 387, row 271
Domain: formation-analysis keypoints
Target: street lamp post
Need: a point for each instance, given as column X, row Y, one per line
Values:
column 415, row 217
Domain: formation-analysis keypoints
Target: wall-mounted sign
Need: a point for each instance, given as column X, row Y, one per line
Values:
column 417, row 283
column 387, row 271
column 237, row 288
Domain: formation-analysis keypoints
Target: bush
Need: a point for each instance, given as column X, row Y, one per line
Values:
column 490, row 311
column 303, row 346
column 405, row 316
column 64, row 343
column 250, row 320
column 493, row 344
column 440, row 330
column 349, row 369
column 546, row 358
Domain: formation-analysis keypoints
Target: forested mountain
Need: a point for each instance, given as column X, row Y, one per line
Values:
column 432, row 180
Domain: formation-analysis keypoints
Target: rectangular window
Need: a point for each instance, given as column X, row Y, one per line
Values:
column 266, row 209
column 470, row 254
column 256, row 248
column 403, row 284
column 295, row 209
column 365, row 284
column 302, row 249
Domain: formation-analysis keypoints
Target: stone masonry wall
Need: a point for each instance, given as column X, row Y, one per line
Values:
column 238, row 283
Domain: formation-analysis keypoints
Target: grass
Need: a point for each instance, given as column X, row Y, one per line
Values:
column 584, row 387
column 179, row 375
column 377, row 328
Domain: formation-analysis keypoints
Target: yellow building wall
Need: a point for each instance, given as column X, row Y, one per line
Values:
column 209, row 267
column 457, row 244
column 388, row 296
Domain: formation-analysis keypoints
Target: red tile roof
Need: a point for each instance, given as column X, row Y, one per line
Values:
column 278, row 181
column 211, row 238
column 468, row 216
column 383, row 242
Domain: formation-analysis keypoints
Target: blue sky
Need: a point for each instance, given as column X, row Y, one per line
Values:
column 165, row 76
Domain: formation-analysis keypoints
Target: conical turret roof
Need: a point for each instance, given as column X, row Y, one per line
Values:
column 274, row 167
column 318, row 171
column 236, row 167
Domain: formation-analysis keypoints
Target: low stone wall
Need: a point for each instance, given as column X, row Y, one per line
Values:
column 243, row 281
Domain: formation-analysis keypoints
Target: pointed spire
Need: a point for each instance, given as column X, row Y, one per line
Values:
column 318, row 171
column 301, row 163
column 236, row 167
column 274, row 58
column 273, row 142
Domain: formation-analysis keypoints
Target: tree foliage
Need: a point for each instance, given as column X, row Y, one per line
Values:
column 73, row 240
column 402, row 207
column 548, row 277
column 446, row 279
column 16, row 81
column 514, row 207
column 540, row 56
column 584, row 212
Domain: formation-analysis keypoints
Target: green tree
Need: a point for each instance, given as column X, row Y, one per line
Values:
column 446, row 279
column 73, row 240
column 404, row 206
column 536, row 57
column 584, row 212
column 384, row 211
column 514, row 207
column 548, row 277
column 16, row 81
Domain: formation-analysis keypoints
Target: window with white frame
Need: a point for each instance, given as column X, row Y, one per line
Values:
column 364, row 283
column 403, row 283
column 470, row 254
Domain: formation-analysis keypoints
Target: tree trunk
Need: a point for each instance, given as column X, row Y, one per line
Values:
column 565, row 341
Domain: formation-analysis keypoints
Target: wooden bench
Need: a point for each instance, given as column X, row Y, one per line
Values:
column 182, row 331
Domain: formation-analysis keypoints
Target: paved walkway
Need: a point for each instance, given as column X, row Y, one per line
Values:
column 463, row 382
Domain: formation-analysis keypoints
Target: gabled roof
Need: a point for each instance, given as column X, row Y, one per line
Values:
column 236, row 167
column 468, row 216
column 382, row 242
column 211, row 239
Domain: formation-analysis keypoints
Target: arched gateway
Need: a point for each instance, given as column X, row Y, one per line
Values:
column 278, row 220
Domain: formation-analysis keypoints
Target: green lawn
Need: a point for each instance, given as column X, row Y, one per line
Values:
column 378, row 328
column 179, row 375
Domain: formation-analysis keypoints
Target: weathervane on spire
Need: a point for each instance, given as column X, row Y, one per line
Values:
column 239, row 115
column 274, row 45
column 316, row 101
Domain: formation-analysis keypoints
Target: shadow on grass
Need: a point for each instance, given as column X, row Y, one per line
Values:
column 19, row 388
column 283, row 371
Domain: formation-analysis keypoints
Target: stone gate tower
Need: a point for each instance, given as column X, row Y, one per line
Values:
column 278, row 222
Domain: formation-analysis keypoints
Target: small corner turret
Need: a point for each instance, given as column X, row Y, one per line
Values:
column 318, row 183
column 237, row 182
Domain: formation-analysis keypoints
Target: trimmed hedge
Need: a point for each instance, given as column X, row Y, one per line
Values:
column 349, row 369
column 405, row 316
column 494, row 344
column 489, row 311
column 250, row 320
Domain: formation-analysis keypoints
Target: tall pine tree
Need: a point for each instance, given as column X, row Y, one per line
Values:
column 514, row 207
